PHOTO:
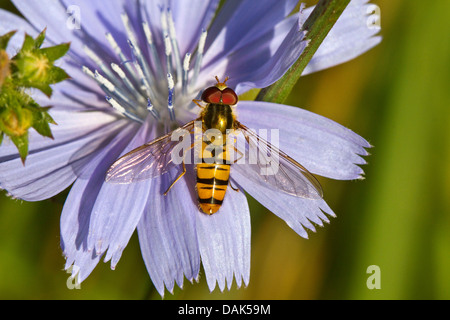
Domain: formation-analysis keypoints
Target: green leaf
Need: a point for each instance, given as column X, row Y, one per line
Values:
column 318, row 24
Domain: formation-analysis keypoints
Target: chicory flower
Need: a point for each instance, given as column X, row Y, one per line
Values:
column 135, row 67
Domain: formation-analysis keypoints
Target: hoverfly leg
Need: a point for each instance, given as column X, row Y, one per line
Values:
column 240, row 154
column 231, row 186
column 179, row 177
column 197, row 102
column 181, row 174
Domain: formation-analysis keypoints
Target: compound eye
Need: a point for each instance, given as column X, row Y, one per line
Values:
column 212, row 95
column 229, row 96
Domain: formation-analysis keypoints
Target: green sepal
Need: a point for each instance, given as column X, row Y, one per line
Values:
column 21, row 142
column 40, row 39
column 4, row 39
column 41, row 121
column 56, row 52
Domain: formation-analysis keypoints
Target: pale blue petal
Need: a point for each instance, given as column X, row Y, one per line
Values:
column 224, row 242
column 352, row 35
column 245, row 62
column 48, row 14
column 190, row 18
column 68, row 96
column 99, row 18
column 77, row 209
column 10, row 22
column 240, row 22
column 276, row 66
column 53, row 165
column 167, row 233
column 298, row 213
column 321, row 145
column 118, row 208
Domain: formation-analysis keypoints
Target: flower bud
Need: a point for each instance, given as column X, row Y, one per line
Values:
column 16, row 122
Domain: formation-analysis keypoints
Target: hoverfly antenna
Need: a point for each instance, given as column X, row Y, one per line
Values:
column 221, row 85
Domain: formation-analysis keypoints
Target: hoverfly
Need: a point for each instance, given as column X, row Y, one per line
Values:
column 213, row 177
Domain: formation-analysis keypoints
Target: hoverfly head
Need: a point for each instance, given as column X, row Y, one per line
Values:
column 220, row 94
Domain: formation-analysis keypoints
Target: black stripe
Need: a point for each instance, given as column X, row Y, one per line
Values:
column 215, row 161
column 210, row 201
column 211, row 188
column 216, row 167
column 208, row 168
column 213, row 181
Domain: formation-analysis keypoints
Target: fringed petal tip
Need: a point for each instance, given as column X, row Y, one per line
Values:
column 311, row 223
column 223, row 284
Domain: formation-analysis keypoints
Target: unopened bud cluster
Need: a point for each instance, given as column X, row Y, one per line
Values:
column 31, row 67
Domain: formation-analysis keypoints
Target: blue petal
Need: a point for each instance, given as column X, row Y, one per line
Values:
column 99, row 18
column 118, row 208
column 77, row 209
column 240, row 22
column 299, row 213
column 275, row 67
column 53, row 16
column 53, row 165
column 321, row 145
column 190, row 18
column 246, row 62
column 96, row 18
column 10, row 22
column 351, row 36
column 68, row 96
column 167, row 232
column 224, row 242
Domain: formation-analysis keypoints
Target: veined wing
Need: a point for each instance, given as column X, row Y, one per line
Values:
column 147, row 161
column 263, row 163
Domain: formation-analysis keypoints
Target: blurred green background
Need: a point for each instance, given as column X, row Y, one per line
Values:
column 396, row 96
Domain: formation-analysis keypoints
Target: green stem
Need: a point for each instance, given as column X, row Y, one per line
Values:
column 318, row 24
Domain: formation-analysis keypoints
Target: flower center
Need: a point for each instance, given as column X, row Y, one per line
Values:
column 134, row 87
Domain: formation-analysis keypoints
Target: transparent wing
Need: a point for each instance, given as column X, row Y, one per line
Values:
column 147, row 161
column 263, row 163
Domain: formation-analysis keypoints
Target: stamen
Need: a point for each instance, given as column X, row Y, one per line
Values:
column 121, row 55
column 171, row 86
column 185, row 81
column 122, row 110
column 127, row 82
column 199, row 57
column 128, row 29
column 176, row 49
column 98, row 61
column 112, row 91
column 141, row 61
column 145, row 86
column 88, row 71
column 168, row 47
column 153, row 52
column 153, row 110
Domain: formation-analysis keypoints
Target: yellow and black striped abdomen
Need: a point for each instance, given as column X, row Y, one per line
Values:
column 212, row 182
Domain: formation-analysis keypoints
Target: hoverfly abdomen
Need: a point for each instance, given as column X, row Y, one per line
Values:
column 212, row 183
